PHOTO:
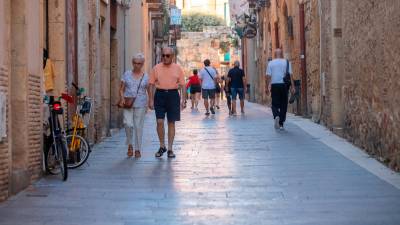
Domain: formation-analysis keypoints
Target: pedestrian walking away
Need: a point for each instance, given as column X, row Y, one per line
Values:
column 277, row 69
column 167, row 78
column 208, row 77
column 195, row 89
column 237, row 81
column 134, row 85
column 218, row 89
column 227, row 90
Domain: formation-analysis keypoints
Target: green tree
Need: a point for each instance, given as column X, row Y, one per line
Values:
column 194, row 22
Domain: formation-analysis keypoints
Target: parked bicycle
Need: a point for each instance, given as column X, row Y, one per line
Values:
column 79, row 149
column 56, row 150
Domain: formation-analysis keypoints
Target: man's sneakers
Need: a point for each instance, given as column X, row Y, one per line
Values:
column 276, row 125
column 162, row 150
column 212, row 110
column 171, row 154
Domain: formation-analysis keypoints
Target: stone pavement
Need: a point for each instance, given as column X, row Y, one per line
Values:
column 228, row 170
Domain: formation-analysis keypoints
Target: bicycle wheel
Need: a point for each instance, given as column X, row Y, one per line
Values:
column 62, row 158
column 79, row 151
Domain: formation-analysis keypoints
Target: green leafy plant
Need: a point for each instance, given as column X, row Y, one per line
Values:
column 194, row 22
column 224, row 46
column 234, row 42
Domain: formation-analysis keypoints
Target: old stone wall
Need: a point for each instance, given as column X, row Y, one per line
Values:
column 5, row 153
column 372, row 84
column 20, row 85
column 276, row 31
column 57, row 44
column 352, row 66
column 195, row 47
column 313, row 47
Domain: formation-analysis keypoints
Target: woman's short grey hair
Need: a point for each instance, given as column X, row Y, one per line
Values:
column 138, row 56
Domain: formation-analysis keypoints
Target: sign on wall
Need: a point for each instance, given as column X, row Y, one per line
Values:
column 176, row 16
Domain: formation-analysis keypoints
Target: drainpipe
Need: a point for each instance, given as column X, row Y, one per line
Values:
column 303, row 68
column 47, row 28
column 124, row 39
column 321, row 74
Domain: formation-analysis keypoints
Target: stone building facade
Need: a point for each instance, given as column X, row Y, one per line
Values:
column 91, row 43
column 20, row 90
column 347, row 63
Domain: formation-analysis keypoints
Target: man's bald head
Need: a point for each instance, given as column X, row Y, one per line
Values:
column 168, row 50
column 278, row 53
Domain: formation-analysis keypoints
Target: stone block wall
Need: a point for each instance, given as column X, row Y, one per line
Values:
column 314, row 98
column 4, row 144
column 353, row 64
column 372, row 83
column 195, row 47
column 4, row 88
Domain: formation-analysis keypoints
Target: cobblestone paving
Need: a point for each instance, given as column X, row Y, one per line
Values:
column 228, row 170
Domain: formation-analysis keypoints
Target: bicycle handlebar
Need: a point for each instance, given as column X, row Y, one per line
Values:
column 79, row 91
column 75, row 85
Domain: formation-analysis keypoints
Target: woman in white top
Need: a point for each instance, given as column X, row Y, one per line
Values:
column 135, row 83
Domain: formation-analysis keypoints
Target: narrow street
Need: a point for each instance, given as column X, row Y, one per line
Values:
column 228, row 170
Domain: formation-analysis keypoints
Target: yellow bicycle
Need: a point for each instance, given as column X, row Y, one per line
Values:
column 79, row 149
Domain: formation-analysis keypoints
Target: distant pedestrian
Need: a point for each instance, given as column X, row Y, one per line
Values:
column 218, row 89
column 194, row 85
column 167, row 77
column 135, row 83
column 208, row 77
column 237, row 80
column 227, row 90
column 275, row 84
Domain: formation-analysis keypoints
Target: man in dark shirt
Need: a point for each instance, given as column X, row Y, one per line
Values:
column 238, row 85
column 227, row 90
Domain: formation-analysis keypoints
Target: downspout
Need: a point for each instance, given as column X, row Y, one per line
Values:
column 124, row 39
column 321, row 74
column 47, row 28
column 303, row 68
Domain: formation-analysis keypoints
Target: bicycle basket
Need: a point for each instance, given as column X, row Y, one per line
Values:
column 86, row 107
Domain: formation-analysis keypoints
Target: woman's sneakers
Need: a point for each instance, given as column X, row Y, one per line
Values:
column 276, row 125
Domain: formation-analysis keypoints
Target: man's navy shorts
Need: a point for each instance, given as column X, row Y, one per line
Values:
column 237, row 91
column 167, row 102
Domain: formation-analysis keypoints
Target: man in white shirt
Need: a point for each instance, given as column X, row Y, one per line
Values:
column 275, row 85
column 208, row 77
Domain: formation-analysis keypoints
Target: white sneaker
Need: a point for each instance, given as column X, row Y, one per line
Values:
column 277, row 122
column 281, row 128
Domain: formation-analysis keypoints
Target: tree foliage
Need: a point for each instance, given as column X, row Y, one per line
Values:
column 194, row 22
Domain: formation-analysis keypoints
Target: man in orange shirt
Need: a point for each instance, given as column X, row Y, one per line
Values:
column 167, row 78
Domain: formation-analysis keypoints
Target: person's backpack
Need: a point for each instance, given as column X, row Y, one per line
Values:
column 286, row 79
